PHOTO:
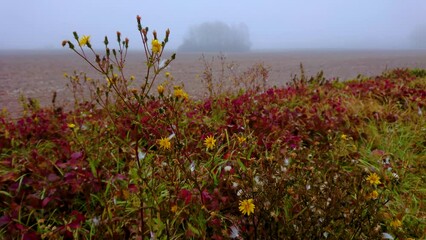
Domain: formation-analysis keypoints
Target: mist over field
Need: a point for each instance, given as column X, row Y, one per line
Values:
column 216, row 37
column 255, row 25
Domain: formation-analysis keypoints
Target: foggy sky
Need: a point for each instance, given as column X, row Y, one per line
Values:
column 273, row 24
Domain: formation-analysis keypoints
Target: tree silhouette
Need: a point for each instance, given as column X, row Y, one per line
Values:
column 217, row 37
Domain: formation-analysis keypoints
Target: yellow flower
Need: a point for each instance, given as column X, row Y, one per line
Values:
column 174, row 208
column 373, row 179
column 156, row 46
column 160, row 89
column 247, row 206
column 396, row 223
column 373, row 195
column 180, row 93
column 71, row 125
column 165, row 143
column 241, row 139
column 210, row 142
column 167, row 74
column 344, row 137
column 84, row 40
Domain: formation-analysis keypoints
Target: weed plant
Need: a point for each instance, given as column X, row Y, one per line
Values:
column 316, row 159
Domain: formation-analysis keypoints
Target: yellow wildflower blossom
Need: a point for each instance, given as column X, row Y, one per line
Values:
column 247, row 206
column 210, row 142
column 241, row 139
column 84, row 40
column 180, row 93
column 174, row 208
column 344, row 137
column 373, row 179
column 160, row 89
column 165, row 143
column 71, row 125
column 396, row 223
column 373, row 195
column 156, row 46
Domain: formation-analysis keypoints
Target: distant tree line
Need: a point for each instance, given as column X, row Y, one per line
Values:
column 217, row 37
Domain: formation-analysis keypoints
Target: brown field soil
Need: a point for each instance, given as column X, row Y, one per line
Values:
column 37, row 74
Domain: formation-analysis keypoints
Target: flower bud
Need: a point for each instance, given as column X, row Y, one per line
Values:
column 160, row 89
column 166, row 39
column 106, row 41
column 118, row 36
column 70, row 45
column 138, row 18
column 144, row 32
column 154, row 33
column 126, row 43
column 75, row 35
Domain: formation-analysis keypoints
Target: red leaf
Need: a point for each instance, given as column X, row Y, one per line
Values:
column 53, row 177
column 205, row 195
column 30, row 236
column 79, row 218
column 185, row 195
column 76, row 155
column 5, row 220
column 45, row 201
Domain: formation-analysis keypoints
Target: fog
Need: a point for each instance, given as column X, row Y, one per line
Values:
column 216, row 37
column 273, row 24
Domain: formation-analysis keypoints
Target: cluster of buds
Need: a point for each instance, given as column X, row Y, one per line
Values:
column 156, row 45
column 112, row 58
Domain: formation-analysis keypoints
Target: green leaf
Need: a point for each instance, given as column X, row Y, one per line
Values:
column 193, row 229
column 241, row 165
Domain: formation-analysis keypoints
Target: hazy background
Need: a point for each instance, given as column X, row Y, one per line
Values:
column 271, row 24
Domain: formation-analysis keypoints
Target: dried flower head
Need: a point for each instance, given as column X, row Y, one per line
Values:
column 235, row 232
